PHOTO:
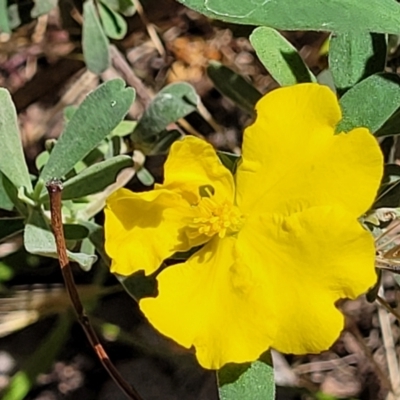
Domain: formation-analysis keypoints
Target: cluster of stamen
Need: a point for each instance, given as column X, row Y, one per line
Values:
column 214, row 218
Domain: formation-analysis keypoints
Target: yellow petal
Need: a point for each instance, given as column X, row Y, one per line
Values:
column 143, row 229
column 193, row 163
column 315, row 258
column 291, row 155
column 216, row 304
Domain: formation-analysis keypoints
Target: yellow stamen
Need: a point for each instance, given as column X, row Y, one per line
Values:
column 214, row 218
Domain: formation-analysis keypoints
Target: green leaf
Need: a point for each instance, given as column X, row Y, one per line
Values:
column 391, row 127
column 389, row 192
column 4, row 23
column 124, row 128
column 139, row 285
column 39, row 361
column 96, row 236
column 279, row 57
column 12, row 160
column 42, row 159
column 233, row 86
column 370, row 103
column 13, row 16
column 114, row 25
column 320, row 15
column 10, row 227
column 165, row 141
column 173, row 102
column 75, row 232
column 145, row 177
column 125, row 7
column 96, row 117
column 353, row 56
column 95, row 44
column 95, row 178
column 38, row 239
column 43, row 7
column 5, row 201
column 12, row 193
column 253, row 381
column 229, row 160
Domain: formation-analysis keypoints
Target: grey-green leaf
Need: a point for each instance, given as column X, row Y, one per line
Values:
column 321, row 15
column 279, row 57
column 229, row 160
column 95, row 178
column 38, row 239
column 4, row 23
column 391, row 127
column 96, row 117
column 125, row 7
column 173, row 102
column 138, row 285
column 13, row 16
column 255, row 382
column 42, row 7
column 95, row 44
column 5, row 201
column 233, row 86
column 145, row 177
column 370, row 103
column 353, row 56
column 113, row 23
column 12, row 160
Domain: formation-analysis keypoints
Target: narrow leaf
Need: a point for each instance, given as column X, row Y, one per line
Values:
column 12, row 193
column 229, row 160
column 43, row 7
column 38, row 239
column 96, row 117
column 114, row 25
column 380, row 16
column 145, row 177
column 391, row 127
column 125, row 7
column 5, row 201
column 95, row 44
column 255, row 382
column 389, row 192
column 4, row 23
column 353, row 56
column 173, row 102
column 370, row 103
column 233, row 86
column 139, row 285
column 12, row 160
column 14, row 18
column 279, row 57
column 95, row 178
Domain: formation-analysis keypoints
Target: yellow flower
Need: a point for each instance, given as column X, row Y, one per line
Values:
column 282, row 242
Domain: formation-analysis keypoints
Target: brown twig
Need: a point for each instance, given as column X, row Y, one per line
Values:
column 54, row 187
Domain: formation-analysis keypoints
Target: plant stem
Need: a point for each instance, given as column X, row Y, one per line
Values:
column 54, row 187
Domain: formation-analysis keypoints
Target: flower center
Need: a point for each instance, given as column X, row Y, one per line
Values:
column 214, row 218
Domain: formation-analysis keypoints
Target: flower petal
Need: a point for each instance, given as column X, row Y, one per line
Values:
column 193, row 163
column 290, row 154
column 216, row 304
column 315, row 258
column 143, row 229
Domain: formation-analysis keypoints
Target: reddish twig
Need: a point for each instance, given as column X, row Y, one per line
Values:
column 54, row 187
